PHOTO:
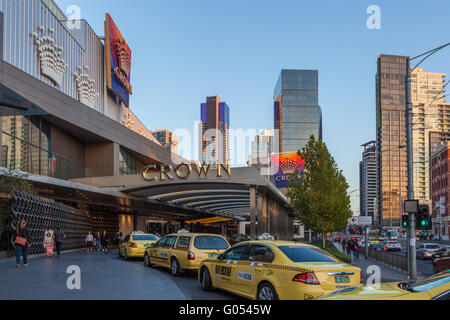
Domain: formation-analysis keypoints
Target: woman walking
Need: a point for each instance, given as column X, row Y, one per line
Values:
column 21, row 242
column 49, row 242
column 89, row 241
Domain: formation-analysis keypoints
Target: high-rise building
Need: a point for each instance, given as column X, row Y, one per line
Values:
column 261, row 150
column 167, row 139
column 214, row 144
column 368, row 180
column 298, row 115
column 431, row 126
column 391, row 138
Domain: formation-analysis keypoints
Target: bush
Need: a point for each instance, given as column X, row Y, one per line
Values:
column 331, row 249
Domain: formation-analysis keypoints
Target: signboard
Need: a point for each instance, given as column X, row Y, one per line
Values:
column 118, row 62
column 284, row 166
column 411, row 206
column 442, row 206
column 360, row 221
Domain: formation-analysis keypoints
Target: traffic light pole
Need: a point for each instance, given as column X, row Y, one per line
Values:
column 412, row 263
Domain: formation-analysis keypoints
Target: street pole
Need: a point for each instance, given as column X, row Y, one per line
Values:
column 412, row 227
column 366, row 247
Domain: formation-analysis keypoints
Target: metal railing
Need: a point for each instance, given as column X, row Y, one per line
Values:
column 391, row 259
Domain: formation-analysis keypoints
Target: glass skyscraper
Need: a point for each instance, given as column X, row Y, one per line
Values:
column 298, row 115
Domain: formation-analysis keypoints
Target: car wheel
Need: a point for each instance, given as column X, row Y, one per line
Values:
column 120, row 256
column 126, row 255
column 266, row 292
column 206, row 279
column 147, row 260
column 175, row 267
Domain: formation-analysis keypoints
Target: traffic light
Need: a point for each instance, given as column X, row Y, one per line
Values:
column 423, row 219
column 405, row 221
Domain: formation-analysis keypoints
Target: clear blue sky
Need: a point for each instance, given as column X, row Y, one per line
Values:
column 184, row 51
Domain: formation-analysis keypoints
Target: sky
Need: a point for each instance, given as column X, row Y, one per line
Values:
column 183, row 51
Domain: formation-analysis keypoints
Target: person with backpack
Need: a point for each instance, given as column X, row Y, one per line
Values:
column 20, row 241
column 356, row 249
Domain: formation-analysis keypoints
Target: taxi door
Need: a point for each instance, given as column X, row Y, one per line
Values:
column 155, row 251
column 252, row 271
column 226, row 270
column 166, row 250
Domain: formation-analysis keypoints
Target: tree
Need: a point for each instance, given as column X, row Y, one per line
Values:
column 319, row 194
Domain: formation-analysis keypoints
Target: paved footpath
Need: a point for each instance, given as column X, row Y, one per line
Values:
column 388, row 274
column 103, row 276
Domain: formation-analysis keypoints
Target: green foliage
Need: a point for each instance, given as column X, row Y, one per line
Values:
column 331, row 249
column 319, row 196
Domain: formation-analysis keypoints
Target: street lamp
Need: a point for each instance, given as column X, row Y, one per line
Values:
column 412, row 231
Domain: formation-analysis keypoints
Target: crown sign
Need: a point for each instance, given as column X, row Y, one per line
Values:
column 123, row 57
column 85, row 87
column 288, row 166
column 52, row 65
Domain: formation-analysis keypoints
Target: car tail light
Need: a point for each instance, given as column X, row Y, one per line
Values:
column 425, row 250
column 191, row 256
column 133, row 245
column 307, row 278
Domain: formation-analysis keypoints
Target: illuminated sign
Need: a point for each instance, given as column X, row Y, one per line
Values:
column 284, row 166
column 118, row 62
column 163, row 172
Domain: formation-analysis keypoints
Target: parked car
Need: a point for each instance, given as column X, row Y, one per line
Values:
column 426, row 250
column 441, row 260
column 236, row 238
column 393, row 246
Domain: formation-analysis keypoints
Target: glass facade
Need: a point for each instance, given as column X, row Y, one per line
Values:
column 391, row 136
column 298, row 115
column 129, row 164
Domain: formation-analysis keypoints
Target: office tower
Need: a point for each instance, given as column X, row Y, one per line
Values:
column 261, row 152
column 298, row 115
column 368, row 180
column 214, row 127
column 167, row 139
column 391, row 139
column 431, row 126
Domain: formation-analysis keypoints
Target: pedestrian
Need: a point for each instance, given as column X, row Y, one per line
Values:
column 89, row 241
column 104, row 240
column 21, row 243
column 99, row 241
column 94, row 244
column 356, row 249
column 49, row 242
column 59, row 238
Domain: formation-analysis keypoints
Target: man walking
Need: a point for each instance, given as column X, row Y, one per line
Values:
column 59, row 238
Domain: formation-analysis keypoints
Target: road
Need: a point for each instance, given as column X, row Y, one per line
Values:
column 103, row 277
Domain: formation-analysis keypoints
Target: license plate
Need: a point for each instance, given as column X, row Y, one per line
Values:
column 212, row 255
column 342, row 279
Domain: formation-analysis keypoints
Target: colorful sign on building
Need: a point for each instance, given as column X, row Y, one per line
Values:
column 118, row 62
column 284, row 166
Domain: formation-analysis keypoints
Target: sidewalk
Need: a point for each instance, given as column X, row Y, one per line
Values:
column 388, row 274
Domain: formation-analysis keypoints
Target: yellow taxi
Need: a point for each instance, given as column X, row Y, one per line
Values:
column 184, row 251
column 433, row 288
column 277, row 270
column 134, row 245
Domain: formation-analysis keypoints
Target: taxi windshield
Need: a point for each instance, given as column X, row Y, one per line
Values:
column 305, row 254
column 429, row 284
column 210, row 242
column 144, row 237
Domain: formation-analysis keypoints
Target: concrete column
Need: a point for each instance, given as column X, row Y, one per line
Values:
column 252, row 213
column 260, row 227
column 275, row 220
column 264, row 214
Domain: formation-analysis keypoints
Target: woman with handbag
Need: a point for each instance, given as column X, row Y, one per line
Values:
column 21, row 243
